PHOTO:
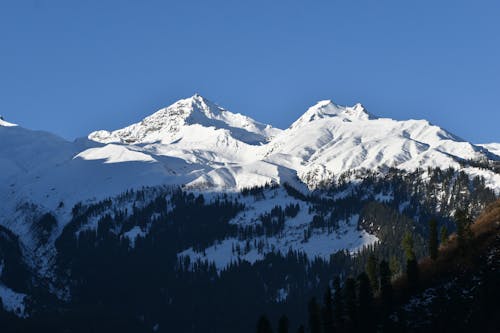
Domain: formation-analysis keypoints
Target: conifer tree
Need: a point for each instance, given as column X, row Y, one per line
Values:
column 371, row 270
column 385, row 286
column 283, row 324
column 338, row 304
column 327, row 311
column 350, row 300
column 444, row 235
column 433, row 239
column 264, row 325
column 394, row 265
column 411, row 262
column 314, row 316
column 301, row 329
column 364, row 301
column 464, row 233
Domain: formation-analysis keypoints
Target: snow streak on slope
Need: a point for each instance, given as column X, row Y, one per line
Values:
column 13, row 301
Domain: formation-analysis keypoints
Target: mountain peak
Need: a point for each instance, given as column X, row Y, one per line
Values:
column 166, row 124
column 328, row 109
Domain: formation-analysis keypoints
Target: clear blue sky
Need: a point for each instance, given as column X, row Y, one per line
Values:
column 72, row 67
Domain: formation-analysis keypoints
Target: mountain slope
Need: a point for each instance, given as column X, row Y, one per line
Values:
column 174, row 123
column 349, row 138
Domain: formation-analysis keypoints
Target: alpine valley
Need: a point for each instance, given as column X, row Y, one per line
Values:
column 197, row 219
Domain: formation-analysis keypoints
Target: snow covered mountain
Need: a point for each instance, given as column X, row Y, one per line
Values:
column 200, row 145
column 329, row 140
column 183, row 119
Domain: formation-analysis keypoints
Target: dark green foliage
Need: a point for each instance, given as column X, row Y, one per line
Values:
column 408, row 246
column 314, row 316
column 264, row 325
column 350, row 301
column 338, row 304
column 327, row 311
column 283, row 324
column 385, row 286
column 371, row 270
column 14, row 273
column 364, row 302
column 433, row 239
column 412, row 274
column 444, row 235
column 464, row 233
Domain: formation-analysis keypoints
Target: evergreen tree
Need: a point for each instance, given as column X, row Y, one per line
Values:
column 283, row 324
column 408, row 246
column 412, row 273
column 264, row 325
column 444, row 235
column 350, row 300
column 371, row 270
column 301, row 329
column 364, row 300
column 395, row 266
column 433, row 239
column 327, row 311
column 464, row 233
column 338, row 304
column 314, row 316
column 385, row 286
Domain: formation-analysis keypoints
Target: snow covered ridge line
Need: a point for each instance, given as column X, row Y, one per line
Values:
column 327, row 140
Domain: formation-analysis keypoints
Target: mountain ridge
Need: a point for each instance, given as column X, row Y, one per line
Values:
column 217, row 150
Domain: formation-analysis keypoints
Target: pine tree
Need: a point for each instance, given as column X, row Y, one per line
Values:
column 407, row 244
column 394, row 265
column 364, row 301
column 327, row 311
column 264, row 325
column 412, row 273
column 314, row 316
column 464, row 233
column 350, row 300
column 301, row 329
column 433, row 239
column 283, row 324
column 338, row 304
column 385, row 286
column 444, row 235
column 371, row 270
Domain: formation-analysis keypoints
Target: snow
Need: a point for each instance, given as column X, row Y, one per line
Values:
column 6, row 124
column 13, row 301
column 202, row 146
column 282, row 295
column 133, row 233
column 114, row 154
column 321, row 243
column 492, row 147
